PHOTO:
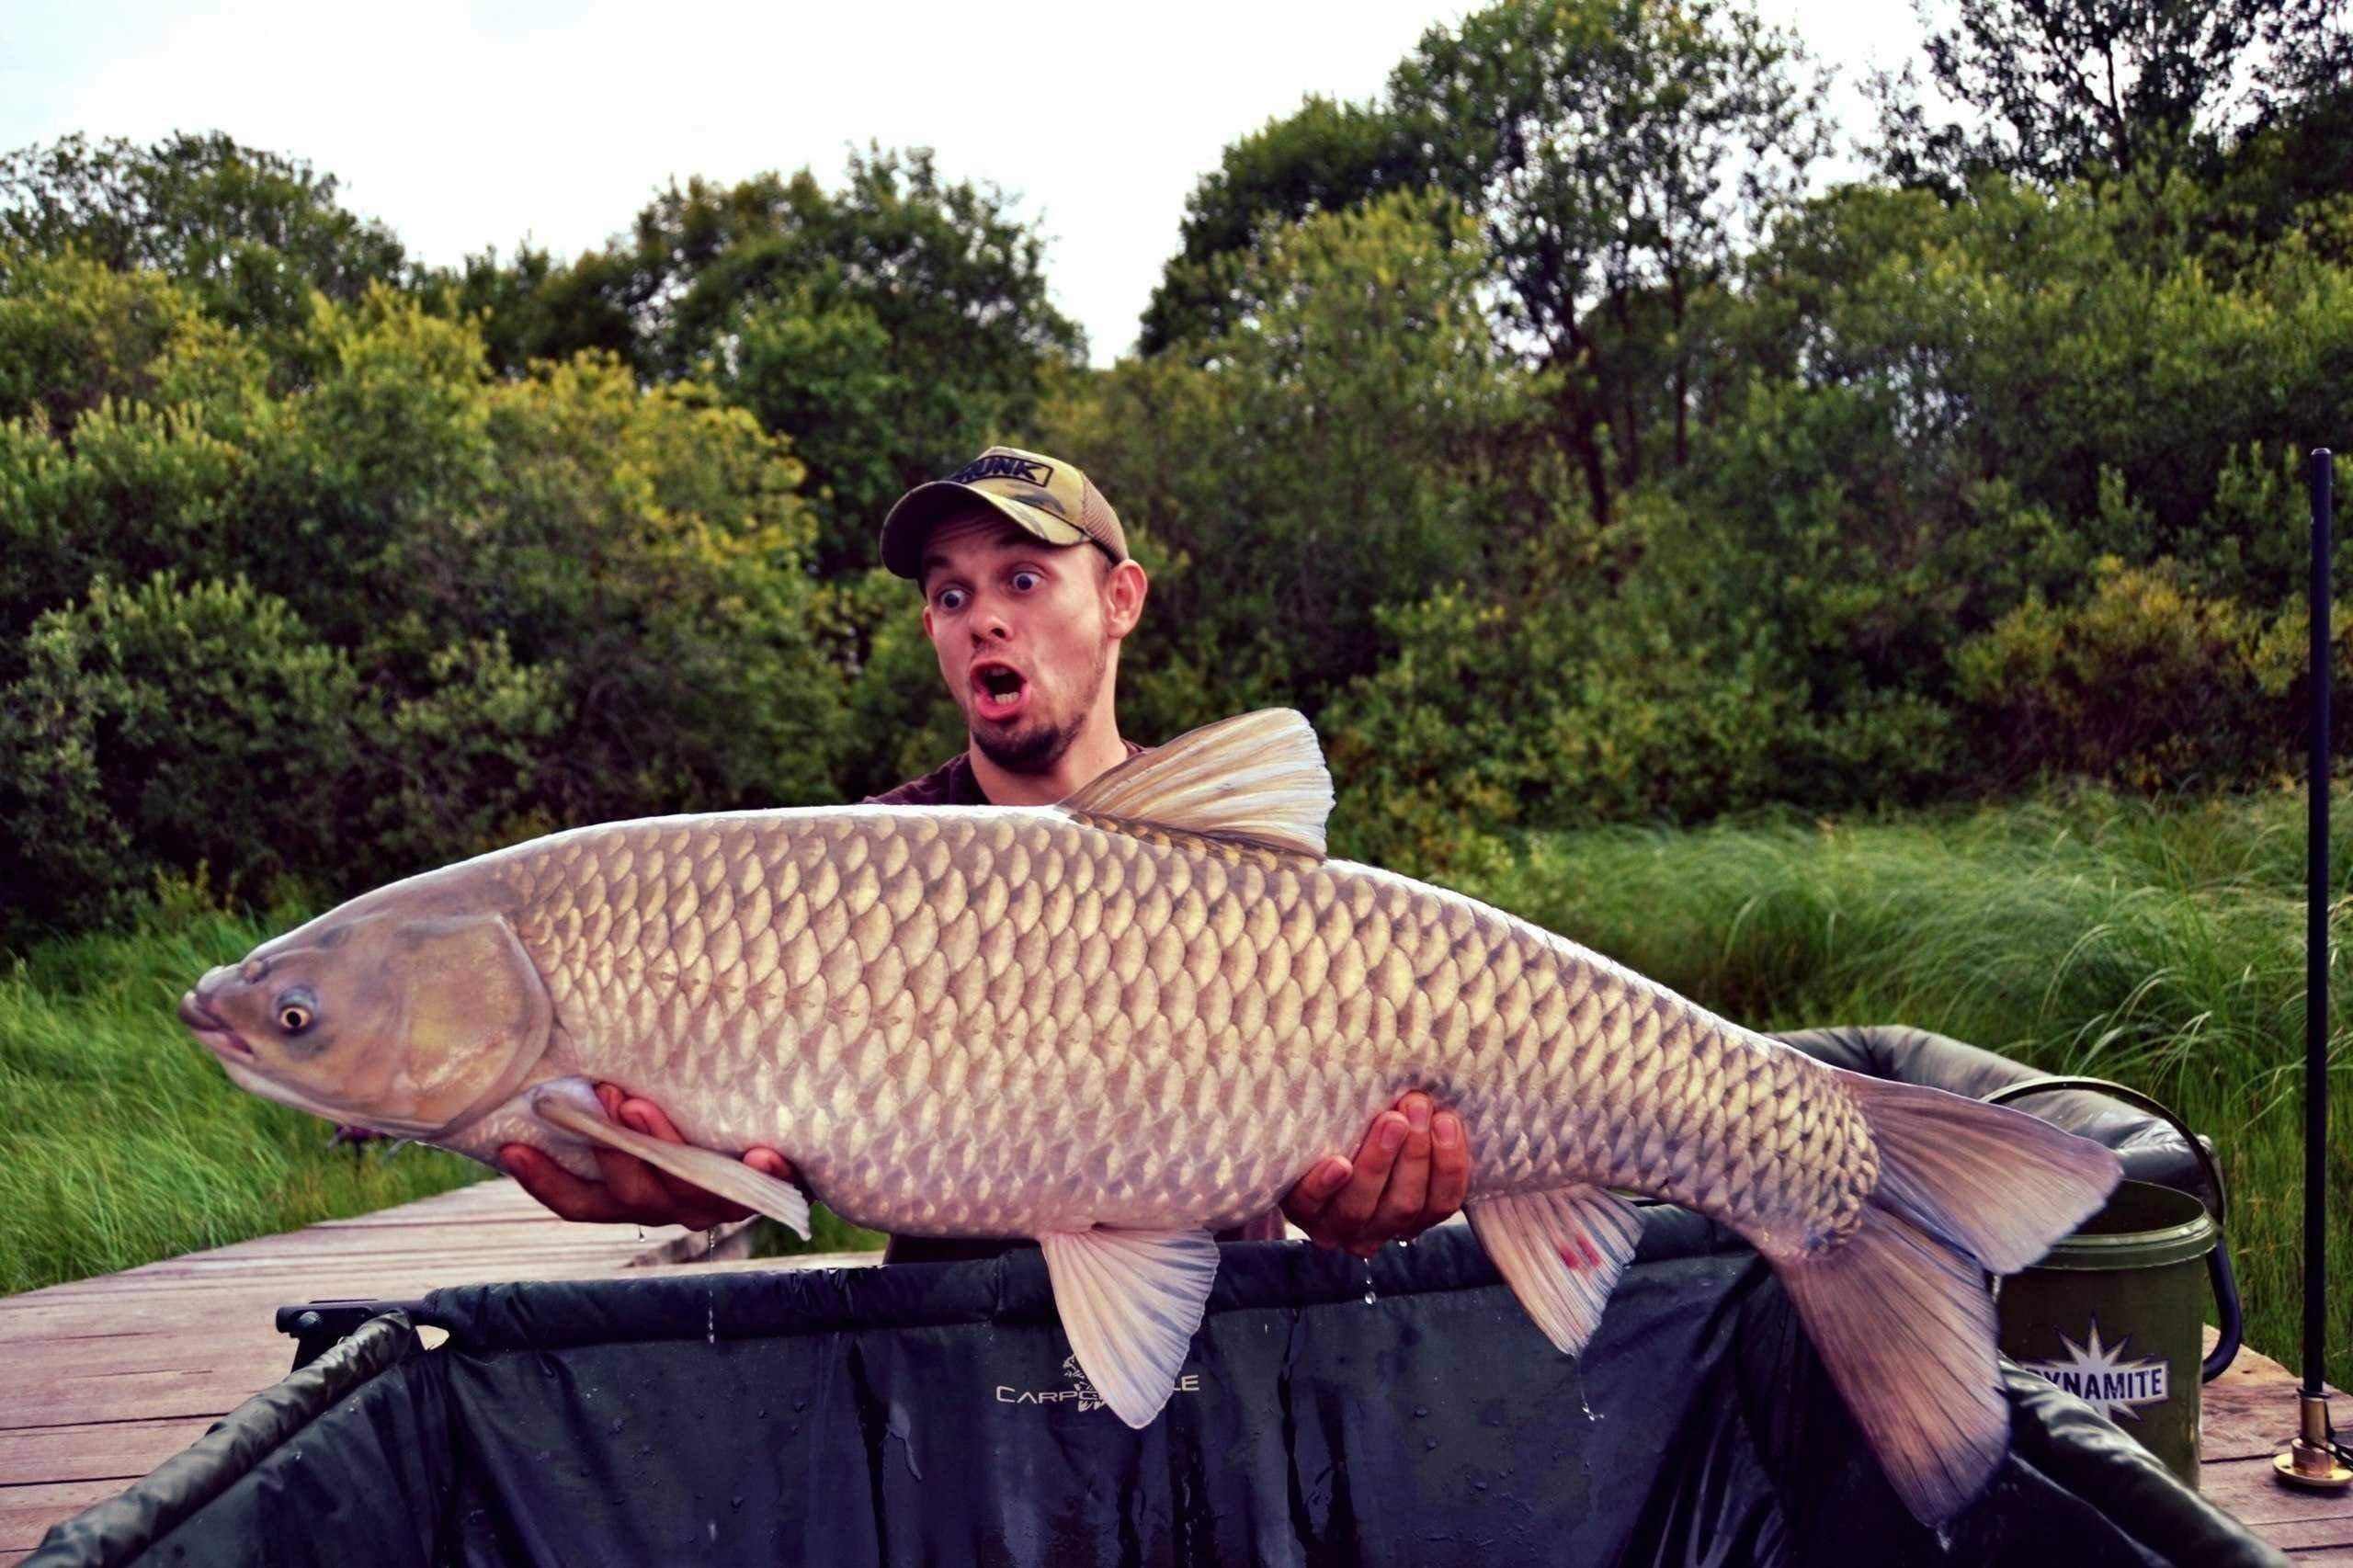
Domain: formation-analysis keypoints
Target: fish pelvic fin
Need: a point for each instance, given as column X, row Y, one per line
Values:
column 1899, row 1309
column 1131, row 1302
column 711, row 1170
column 1255, row 778
column 1560, row 1251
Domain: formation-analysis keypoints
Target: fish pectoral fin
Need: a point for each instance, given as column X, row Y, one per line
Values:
column 1560, row 1251
column 713, row 1172
column 1130, row 1302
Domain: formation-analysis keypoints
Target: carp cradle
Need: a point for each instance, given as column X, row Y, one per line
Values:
column 925, row 1413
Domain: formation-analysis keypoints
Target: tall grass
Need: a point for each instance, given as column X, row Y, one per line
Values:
column 2159, row 946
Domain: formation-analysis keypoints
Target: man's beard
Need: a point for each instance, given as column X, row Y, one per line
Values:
column 1035, row 748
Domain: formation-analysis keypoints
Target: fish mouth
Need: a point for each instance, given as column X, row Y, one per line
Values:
column 1000, row 692
column 213, row 1029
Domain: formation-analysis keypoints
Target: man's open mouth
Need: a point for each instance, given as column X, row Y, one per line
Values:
column 999, row 691
column 212, row 1029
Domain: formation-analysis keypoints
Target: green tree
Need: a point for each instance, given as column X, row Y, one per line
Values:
column 919, row 304
column 75, row 334
column 1618, row 152
column 1358, row 438
column 1325, row 157
column 533, row 307
column 250, row 233
column 501, row 605
column 2053, row 90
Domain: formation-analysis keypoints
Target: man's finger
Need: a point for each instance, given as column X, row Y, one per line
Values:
column 1312, row 1194
column 642, row 1193
column 1400, row 1210
column 1353, row 1207
column 1310, row 1198
column 697, row 1208
column 564, row 1194
column 1449, row 1169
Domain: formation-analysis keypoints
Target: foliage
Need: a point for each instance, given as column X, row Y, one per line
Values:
column 73, row 333
column 160, row 727
column 889, row 330
column 252, row 234
column 1346, row 445
column 1618, row 152
column 344, row 624
column 2147, row 681
column 1325, row 157
column 2062, row 89
column 1522, row 425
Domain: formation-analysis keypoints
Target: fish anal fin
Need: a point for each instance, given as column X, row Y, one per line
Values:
column 1560, row 1251
column 1255, row 778
column 1130, row 1302
column 714, row 1173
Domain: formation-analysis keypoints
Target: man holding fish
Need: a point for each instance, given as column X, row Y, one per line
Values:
column 1117, row 1020
column 1029, row 592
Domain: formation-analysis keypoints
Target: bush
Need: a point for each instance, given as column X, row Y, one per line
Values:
column 2147, row 682
column 447, row 610
column 73, row 334
column 161, row 726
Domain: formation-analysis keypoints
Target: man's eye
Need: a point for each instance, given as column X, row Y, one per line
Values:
column 1025, row 581
column 951, row 598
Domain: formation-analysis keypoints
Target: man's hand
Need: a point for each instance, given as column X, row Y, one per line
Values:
column 631, row 1190
column 1410, row 1173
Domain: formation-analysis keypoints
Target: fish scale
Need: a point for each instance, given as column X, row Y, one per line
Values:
column 1351, row 971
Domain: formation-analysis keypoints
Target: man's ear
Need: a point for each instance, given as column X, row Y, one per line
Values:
column 1123, row 595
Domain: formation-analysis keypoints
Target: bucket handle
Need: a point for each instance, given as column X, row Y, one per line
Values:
column 2218, row 1262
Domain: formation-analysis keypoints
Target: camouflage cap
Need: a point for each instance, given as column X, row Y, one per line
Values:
column 1043, row 495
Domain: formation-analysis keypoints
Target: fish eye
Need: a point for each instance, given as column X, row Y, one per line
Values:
column 296, row 1010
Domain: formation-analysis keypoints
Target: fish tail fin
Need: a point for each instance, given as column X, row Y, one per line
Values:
column 1898, row 1309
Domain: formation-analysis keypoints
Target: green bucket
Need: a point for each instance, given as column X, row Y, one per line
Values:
column 2115, row 1314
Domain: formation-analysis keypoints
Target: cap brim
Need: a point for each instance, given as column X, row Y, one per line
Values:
column 920, row 509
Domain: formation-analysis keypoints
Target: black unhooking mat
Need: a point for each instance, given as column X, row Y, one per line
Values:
column 1404, row 1412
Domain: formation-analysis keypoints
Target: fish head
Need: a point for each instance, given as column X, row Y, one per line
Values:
column 410, row 1024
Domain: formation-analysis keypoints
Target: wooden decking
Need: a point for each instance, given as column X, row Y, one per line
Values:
column 2246, row 1414
column 103, row 1379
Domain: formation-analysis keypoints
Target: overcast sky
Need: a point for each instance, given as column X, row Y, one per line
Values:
column 463, row 125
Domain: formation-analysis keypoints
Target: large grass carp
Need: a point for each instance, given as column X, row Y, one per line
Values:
column 1120, row 1024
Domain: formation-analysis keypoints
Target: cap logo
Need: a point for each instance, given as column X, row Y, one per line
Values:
column 1037, row 474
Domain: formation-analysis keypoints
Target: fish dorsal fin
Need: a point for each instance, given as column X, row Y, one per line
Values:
column 1258, row 777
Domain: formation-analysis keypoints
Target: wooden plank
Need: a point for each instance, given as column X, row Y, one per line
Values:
column 109, row 1450
column 102, row 1379
column 2250, row 1491
column 26, row 1512
column 2318, row 1538
column 181, row 1346
column 2245, row 1419
column 155, row 1393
